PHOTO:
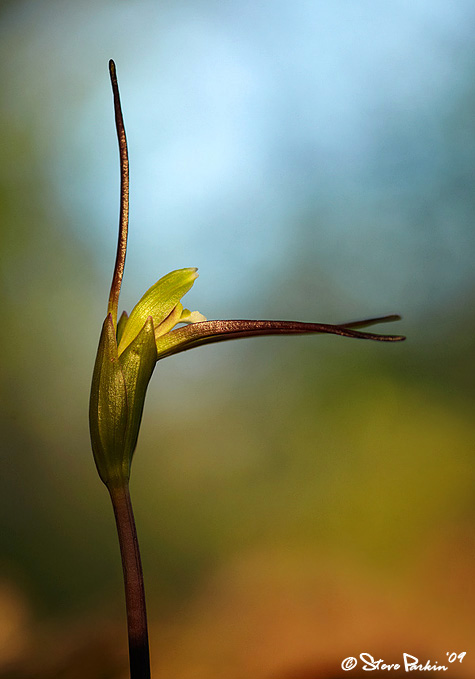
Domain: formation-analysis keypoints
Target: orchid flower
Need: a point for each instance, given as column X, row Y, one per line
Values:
column 127, row 354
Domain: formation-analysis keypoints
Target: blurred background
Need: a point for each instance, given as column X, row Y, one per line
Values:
column 298, row 500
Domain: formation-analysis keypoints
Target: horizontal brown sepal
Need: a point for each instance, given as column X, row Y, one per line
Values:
column 208, row 332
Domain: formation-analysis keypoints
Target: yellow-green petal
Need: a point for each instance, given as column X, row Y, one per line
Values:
column 158, row 302
column 170, row 321
column 188, row 317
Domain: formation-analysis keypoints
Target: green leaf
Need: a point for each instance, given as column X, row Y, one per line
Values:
column 137, row 363
column 108, row 408
column 158, row 302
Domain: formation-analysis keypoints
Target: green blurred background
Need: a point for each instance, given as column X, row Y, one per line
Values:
column 299, row 500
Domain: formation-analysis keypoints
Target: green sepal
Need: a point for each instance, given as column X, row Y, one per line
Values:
column 158, row 302
column 137, row 363
column 108, row 408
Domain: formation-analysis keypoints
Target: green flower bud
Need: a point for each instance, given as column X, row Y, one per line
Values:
column 124, row 365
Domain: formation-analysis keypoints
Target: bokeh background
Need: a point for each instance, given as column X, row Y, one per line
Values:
column 299, row 500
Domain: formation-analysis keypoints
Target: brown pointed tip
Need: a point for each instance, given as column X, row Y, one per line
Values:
column 113, row 74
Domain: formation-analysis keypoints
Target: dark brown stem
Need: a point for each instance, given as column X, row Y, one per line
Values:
column 133, row 582
column 124, row 199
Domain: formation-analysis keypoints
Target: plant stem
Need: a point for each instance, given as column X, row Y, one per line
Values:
column 133, row 582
